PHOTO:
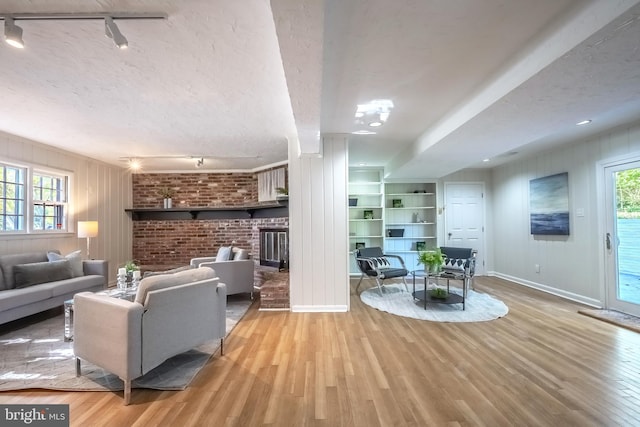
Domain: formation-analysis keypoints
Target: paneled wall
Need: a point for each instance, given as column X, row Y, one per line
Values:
column 318, row 230
column 569, row 265
column 99, row 192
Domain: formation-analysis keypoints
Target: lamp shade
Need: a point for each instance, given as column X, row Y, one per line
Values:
column 87, row 228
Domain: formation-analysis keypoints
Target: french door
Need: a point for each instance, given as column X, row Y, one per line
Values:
column 621, row 240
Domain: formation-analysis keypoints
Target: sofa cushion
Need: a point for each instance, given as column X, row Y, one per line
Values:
column 224, row 253
column 162, row 281
column 75, row 259
column 41, row 272
column 8, row 261
column 13, row 298
column 73, row 285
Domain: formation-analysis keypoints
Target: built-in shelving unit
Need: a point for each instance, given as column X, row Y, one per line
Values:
column 410, row 213
column 366, row 213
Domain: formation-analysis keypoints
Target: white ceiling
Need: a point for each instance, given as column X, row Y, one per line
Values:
column 233, row 81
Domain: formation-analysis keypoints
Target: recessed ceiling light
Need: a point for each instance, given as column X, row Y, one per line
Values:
column 584, row 122
column 363, row 132
column 486, row 160
column 375, row 124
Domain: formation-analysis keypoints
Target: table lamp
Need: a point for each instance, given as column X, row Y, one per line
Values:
column 88, row 229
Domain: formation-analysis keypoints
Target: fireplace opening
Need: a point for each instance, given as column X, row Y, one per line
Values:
column 274, row 247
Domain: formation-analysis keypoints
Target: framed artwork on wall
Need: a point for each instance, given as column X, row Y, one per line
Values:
column 549, row 205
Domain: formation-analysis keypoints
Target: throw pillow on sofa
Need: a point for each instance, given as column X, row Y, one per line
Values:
column 74, row 258
column 41, row 272
column 224, row 254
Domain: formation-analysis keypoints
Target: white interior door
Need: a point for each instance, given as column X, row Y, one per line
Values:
column 464, row 218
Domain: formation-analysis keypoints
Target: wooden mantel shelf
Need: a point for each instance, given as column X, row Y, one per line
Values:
column 276, row 210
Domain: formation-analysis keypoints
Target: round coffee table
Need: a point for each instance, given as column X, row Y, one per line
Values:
column 425, row 295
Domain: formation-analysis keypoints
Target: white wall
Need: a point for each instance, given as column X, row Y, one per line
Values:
column 569, row 265
column 318, row 228
column 99, row 192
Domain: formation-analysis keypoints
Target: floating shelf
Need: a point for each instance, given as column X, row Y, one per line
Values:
column 278, row 210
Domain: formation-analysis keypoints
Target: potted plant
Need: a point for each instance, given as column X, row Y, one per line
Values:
column 131, row 266
column 432, row 260
column 283, row 193
column 167, row 193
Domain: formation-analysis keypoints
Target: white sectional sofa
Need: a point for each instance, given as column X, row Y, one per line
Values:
column 30, row 283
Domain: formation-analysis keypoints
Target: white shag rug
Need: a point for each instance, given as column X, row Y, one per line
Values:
column 396, row 300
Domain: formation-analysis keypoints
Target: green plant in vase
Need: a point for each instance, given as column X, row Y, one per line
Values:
column 432, row 260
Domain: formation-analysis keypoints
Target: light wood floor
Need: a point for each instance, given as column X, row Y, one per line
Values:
column 541, row 365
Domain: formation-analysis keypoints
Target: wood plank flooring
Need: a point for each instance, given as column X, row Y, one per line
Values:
column 541, row 365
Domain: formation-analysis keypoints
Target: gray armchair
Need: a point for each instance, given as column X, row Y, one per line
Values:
column 236, row 273
column 373, row 263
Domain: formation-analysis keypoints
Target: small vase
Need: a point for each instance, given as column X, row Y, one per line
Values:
column 168, row 203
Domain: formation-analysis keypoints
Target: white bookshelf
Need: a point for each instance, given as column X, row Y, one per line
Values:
column 367, row 190
column 410, row 207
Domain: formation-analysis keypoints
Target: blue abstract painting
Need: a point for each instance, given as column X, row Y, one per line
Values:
column 549, row 204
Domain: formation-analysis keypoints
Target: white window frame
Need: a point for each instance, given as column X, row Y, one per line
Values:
column 29, row 203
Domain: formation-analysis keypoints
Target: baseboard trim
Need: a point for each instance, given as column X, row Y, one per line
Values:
column 549, row 289
column 319, row 309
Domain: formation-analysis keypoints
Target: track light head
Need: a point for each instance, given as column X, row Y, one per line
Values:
column 112, row 31
column 13, row 33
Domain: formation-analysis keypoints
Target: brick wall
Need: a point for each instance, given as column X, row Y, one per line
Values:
column 196, row 189
column 170, row 243
column 173, row 243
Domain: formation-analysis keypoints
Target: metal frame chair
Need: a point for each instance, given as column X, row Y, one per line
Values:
column 373, row 263
column 459, row 264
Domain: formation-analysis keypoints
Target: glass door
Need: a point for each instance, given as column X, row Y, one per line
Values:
column 622, row 244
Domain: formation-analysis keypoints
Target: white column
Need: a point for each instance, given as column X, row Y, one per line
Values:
column 318, row 227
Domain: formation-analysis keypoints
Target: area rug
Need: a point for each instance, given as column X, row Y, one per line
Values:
column 614, row 317
column 395, row 299
column 37, row 356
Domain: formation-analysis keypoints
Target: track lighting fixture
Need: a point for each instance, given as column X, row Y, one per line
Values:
column 13, row 33
column 112, row 31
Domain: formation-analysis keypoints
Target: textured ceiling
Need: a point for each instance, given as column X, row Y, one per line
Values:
column 234, row 81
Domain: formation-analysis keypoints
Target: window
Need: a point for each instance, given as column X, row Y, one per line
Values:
column 12, row 198
column 49, row 202
column 32, row 200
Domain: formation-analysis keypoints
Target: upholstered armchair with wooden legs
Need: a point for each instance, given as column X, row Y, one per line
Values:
column 379, row 266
